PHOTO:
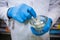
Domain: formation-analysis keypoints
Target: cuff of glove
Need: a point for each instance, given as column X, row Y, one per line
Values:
column 9, row 13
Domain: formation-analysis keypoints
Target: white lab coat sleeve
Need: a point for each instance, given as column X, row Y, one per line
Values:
column 19, row 2
column 3, row 14
column 53, row 14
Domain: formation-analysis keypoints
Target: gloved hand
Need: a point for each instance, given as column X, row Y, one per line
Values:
column 21, row 13
column 44, row 30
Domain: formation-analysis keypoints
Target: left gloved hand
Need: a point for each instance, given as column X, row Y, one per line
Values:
column 44, row 30
column 21, row 13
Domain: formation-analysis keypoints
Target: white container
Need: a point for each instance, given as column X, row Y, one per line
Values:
column 21, row 31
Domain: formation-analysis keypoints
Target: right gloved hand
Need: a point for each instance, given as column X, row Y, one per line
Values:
column 21, row 13
column 45, row 29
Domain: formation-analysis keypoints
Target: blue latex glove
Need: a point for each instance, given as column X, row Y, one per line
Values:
column 21, row 13
column 44, row 30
